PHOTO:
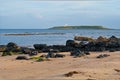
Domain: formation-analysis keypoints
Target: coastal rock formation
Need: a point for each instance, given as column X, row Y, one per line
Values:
column 84, row 44
column 99, row 44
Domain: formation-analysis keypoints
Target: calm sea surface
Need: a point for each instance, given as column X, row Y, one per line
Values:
column 50, row 37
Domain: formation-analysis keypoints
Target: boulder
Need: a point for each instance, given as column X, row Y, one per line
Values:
column 59, row 55
column 86, row 52
column 77, row 53
column 29, row 51
column 39, row 46
column 12, row 47
column 70, row 43
column 2, row 48
column 22, row 58
column 51, row 55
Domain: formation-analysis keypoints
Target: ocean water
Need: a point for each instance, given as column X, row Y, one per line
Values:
column 50, row 37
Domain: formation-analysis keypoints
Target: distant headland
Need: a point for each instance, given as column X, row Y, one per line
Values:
column 80, row 27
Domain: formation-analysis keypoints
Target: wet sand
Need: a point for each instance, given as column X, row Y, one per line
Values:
column 89, row 68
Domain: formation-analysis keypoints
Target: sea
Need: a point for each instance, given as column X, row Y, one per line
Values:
column 49, row 36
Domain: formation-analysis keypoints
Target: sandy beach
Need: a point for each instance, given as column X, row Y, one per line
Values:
column 89, row 68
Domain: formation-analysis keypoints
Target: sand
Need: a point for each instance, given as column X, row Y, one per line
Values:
column 89, row 68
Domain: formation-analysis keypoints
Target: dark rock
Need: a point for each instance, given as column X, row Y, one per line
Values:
column 69, row 74
column 29, row 51
column 2, row 48
column 22, row 58
column 113, row 38
column 86, row 52
column 59, row 55
column 51, row 55
column 39, row 46
column 12, row 47
column 102, row 55
column 70, row 43
column 77, row 53
column 33, row 53
column 5, row 53
column 112, row 50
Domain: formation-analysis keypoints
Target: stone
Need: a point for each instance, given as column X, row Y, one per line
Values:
column 102, row 55
column 82, row 38
column 22, row 58
column 59, row 55
column 39, row 46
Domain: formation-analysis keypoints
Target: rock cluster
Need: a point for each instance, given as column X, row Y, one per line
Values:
column 84, row 44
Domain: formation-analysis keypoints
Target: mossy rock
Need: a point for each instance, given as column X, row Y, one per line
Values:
column 7, row 53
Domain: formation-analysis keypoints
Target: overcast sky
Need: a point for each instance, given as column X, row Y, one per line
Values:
column 36, row 14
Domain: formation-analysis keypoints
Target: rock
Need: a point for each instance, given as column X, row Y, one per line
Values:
column 113, row 39
column 112, row 50
column 117, row 70
column 22, row 58
column 59, row 55
column 102, row 55
column 101, row 39
column 77, row 53
column 39, row 46
column 70, row 43
column 81, row 38
column 70, row 74
column 51, row 55
column 5, row 53
column 29, row 51
column 33, row 53
column 86, row 52
column 12, row 47
column 2, row 48
column 113, row 43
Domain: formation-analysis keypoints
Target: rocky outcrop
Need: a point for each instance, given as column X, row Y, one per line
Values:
column 99, row 44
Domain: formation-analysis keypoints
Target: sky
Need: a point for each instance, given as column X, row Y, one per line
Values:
column 41, row 14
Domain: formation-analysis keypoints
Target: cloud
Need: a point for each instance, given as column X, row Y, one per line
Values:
column 61, row 12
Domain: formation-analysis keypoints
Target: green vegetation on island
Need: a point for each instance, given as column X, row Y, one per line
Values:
column 80, row 27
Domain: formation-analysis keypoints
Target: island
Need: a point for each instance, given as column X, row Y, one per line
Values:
column 80, row 27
